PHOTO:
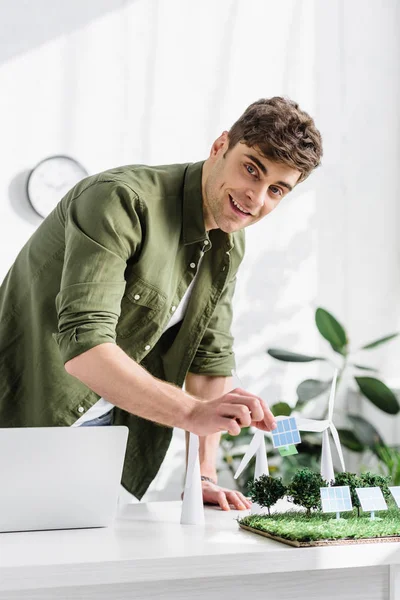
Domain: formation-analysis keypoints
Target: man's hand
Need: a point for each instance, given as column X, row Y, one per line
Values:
column 230, row 412
column 226, row 499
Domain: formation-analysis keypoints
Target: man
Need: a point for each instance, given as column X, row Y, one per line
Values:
column 124, row 294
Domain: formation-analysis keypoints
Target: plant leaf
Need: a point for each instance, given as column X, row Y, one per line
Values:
column 363, row 368
column 331, row 330
column 365, row 431
column 349, row 440
column 379, row 394
column 390, row 457
column 311, row 388
column 288, row 356
column 281, row 408
column 383, row 340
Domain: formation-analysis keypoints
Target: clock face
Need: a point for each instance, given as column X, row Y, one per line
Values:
column 50, row 180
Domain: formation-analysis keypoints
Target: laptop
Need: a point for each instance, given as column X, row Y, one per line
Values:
column 60, row 477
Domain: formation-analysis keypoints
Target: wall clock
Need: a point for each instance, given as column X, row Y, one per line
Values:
column 50, row 180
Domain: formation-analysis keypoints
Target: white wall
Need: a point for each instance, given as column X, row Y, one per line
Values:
column 157, row 80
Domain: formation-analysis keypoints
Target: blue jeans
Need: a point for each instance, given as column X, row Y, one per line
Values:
column 105, row 419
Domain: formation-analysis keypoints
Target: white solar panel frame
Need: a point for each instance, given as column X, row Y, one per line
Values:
column 395, row 491
column 371, row 499
column 286, row 433
column 336, row 499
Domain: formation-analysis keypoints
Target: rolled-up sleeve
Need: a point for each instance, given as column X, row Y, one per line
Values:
column 215, row 354
column 102, row 232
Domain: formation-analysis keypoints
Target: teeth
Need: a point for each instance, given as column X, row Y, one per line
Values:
column 239, row 207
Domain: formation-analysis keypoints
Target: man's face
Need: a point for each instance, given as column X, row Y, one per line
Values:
column 242, row 186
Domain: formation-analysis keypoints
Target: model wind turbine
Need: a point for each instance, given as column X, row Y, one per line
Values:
column 256, row 447
column 325, row 426
column 192, row 504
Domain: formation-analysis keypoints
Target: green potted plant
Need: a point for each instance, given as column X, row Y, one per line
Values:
column 361, row 434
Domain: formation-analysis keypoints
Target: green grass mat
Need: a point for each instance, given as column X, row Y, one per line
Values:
column 298, row 526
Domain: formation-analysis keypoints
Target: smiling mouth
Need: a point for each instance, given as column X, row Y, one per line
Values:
column 238, row 208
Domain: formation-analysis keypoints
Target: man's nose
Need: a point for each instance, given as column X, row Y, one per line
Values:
column 257, row 196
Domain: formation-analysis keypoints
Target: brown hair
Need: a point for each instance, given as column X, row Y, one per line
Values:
column 282, row 132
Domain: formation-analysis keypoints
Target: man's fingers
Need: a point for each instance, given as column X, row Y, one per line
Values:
column 238, row 412
column 269, row 418
column 222, row 501
column 227, row 499
column 242, row 392
column 253, row 404
column 245, row 500
column 260, row 425
column 258, row 408
column 238, row 500
column 229, row 425
column 232, row 427
column 231, row 412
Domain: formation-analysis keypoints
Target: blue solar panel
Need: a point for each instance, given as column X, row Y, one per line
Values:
column 371, row 499
column 286, row 433
column 395, row 490
column 336, row 499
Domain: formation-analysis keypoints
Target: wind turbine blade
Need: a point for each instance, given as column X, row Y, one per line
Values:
column 332, row 396
column 336, row 439
column 314, row 425
column 250, row 452
column 327, row 472
column 261, row 460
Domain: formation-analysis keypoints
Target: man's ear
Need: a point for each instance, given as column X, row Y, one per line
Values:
column 221, row 142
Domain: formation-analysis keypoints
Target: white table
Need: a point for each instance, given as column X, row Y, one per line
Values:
column 148, row 554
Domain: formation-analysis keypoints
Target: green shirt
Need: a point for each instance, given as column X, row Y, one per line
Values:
column 108, row 265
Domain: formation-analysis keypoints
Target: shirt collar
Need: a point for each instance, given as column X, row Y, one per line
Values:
column 193, row 218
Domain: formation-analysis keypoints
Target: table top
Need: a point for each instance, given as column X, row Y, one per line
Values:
column 147, row 543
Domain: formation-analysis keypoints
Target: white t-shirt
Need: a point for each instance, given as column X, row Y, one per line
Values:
column 103, row 406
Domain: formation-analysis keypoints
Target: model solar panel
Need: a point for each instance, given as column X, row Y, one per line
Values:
column 286, row 433
column 336, row 499
column 371, row 499
column 395, row 491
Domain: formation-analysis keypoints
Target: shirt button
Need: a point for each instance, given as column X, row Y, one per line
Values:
column 136, row 296
column 147, row 347
column 193, row 265
column 173, row 308
column 81, row 409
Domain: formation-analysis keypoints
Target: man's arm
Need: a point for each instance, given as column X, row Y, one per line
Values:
column 207, row 388
column 111, row 373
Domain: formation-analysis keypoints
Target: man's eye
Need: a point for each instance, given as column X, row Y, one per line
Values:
column 275, row 190
column 250, row 169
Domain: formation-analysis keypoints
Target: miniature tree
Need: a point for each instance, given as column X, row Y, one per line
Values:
column 266, row 491
column 372, row 480
column 353, row 481
column 305, row 489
